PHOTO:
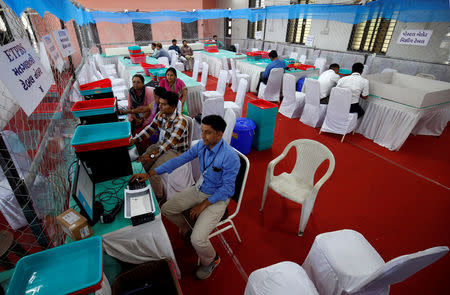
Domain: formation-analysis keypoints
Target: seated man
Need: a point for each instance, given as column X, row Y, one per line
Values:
column 187, row 56
column 358, row 85
column 155, row 51
column 209, row 198
column 175, row 47
column 275, row 63
column 173, row 138
column 218, row 42
column 328, row 80
column 162, row 52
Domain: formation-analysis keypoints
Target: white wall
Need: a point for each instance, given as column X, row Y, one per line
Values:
column 430, row 53
column 331, row 35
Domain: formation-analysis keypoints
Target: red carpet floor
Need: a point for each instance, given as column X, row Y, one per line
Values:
column 400, row 201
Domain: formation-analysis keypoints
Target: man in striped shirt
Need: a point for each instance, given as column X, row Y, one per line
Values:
column 173, row 138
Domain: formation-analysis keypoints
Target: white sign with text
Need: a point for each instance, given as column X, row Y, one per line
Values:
column 52, row 50
column 65, row 44
column 414, row 37
column 23, row 74
column 310, row 40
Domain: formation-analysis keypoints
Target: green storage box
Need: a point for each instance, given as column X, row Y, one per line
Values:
column 264, row 114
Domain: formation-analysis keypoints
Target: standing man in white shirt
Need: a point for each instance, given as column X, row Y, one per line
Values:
column 358, row 85
column 327, row 80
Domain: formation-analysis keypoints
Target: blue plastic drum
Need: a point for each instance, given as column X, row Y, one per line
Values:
column 243, row 135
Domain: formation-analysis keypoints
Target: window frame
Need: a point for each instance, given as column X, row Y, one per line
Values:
column 298, row 28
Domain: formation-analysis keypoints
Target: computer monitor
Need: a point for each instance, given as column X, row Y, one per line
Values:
column 83, row 192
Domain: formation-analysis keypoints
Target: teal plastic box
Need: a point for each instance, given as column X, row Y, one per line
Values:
column 264, row 114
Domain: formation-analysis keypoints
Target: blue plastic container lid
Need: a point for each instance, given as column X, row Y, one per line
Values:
column 61, row 270
column 86, row 134
column 135, row 47
column 244, row 124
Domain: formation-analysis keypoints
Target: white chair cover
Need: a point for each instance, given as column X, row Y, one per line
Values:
column 213, row 106
column 198, row 58
column 313, row 112
column 298, row 185
column 236, row 76
column 164, row 61
column 338, row 118
column 271, row 90
column 258, row 44
column 238, row 103
column 292, row 104
column 205, row 69
column 175, row 63
column 302, row 59
column 195, row 70
column 293, row 55
column 180, row 178
column 236, row 45
column 230, row 119
column 266, row 46
column 389, row 70
column 221, row 85
column 344, row 262
column 284, row 278
column 320, row 64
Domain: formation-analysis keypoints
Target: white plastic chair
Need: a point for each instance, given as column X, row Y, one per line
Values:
column 164, row 61
column 299, row 186
column 175, row 63
column 213, row 106
column 313, row 113
column 344, row 262
column 204, row 78
column 293, row 101
column 230, row 119
column 284, row 278
column 271, row 90
column 236, row 76
column 320, row 64
column 238, row 103
column 220, row 89
column 338, row 118
column 195, row 70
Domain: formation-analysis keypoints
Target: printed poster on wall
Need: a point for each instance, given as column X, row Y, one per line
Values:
column 64, row 43
column 414, row 37
column 23, row 74
column 52, row 50
column 310, row 40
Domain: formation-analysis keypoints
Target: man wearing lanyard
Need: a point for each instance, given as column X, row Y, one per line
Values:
column 173, row 131
column 208, row 199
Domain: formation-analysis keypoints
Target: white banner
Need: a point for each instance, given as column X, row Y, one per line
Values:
column 23, row 74
column 53, row 51
column 414, row 37
column 64, row 42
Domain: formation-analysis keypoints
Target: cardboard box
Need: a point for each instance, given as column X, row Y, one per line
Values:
column 74, row 225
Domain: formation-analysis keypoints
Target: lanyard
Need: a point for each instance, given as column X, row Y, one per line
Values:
column 204, row 151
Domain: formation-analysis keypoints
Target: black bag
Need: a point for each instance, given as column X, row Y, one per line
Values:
column 152, row 83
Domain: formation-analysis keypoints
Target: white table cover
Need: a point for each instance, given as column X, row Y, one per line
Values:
column 139, row 244
column 389, row 123
column 215, row 63
column 254, row 71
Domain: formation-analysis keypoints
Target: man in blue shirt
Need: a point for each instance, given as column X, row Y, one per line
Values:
column 208, row 199
column 162, row 52
column 275, row 63
column 175, row 47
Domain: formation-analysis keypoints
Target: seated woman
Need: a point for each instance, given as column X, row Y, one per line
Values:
column 140, row 104
column 172, row 83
